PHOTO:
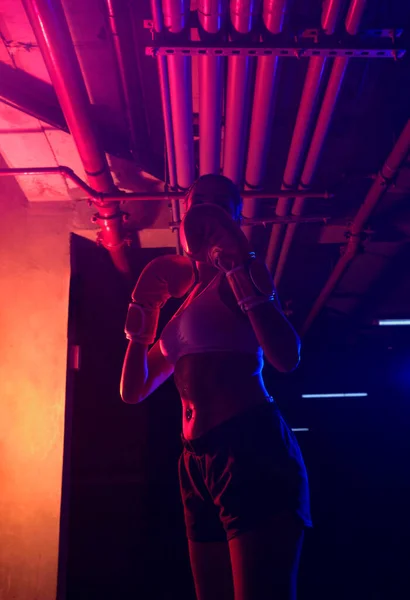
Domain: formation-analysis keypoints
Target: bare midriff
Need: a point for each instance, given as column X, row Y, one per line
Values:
column 216, row 386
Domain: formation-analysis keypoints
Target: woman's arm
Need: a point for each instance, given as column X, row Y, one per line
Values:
column 143, row 372
column 278, row 339
column 280, row 342
column 165, row 277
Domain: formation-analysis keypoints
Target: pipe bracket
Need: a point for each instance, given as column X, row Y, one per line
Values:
column 347, row 47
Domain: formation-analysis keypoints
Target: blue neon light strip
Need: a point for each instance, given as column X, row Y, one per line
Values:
column 394, row 322
column 300, row 429
column 350, row 395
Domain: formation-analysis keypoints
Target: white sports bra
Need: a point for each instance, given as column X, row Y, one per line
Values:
column 208, row 325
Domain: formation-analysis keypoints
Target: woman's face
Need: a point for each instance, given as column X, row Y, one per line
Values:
column 218, row 191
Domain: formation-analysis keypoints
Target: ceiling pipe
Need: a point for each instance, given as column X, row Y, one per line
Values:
column 300, row 136
column 354, row 16
column 274, row 14
column 243, row 14
column 262, row 111
column 330, row 16
column 264, row 221
column 236, row 116
column 211, row 70
column 379, row 187
column 296, row 151
column 130, row 196
column 54, row 39
column 212, row 16
column 238, row 93
column 175, row 19
column 113, row 20
column 318, row 139
column 115, row 10
column 158, row 23
column 126, row 196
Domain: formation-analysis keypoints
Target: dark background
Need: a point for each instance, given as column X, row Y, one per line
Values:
column 123, row 530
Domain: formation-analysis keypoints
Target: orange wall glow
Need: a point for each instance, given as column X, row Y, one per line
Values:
column 34, row 280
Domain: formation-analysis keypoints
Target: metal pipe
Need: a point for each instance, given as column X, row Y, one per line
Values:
column 330, row 11
column 237, row 116
column 54, row 39
column 210, row 113
column 211, row 14
column 274, row 15
column 330, row 15
column 243, row 14
column 303, row 121
column 167, row 116
column 180, row 85
column 176, row 13
column 60, row 170
column 354, row 16
column 265, row 221
column 158, row 22
column 322, row 126
column 127, row 196
column 262, row 110
column 238, row 94
column 113, row 9
column 379, row 187
column 329, row 102
column 157, row 15
column 331, row 95
column 296, row 151
column 262, row 117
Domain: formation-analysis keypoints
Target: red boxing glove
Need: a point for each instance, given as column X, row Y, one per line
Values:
column 163, row 278
column 209, row 234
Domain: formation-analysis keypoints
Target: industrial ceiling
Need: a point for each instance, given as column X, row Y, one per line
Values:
column 304, row 104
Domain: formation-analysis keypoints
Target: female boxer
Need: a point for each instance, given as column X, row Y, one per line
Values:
column 243, row 481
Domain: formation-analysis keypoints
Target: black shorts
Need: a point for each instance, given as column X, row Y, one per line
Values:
column 240, row 473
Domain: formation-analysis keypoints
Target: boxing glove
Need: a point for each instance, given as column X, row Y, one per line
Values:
column 209, row 234
column 163, row 278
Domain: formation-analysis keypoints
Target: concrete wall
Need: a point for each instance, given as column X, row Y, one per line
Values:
column 34, row 282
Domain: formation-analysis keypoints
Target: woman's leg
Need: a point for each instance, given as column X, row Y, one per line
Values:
column 265, row 560
column 211, row 568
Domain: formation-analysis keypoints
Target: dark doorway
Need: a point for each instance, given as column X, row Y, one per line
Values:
column 122, row 533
